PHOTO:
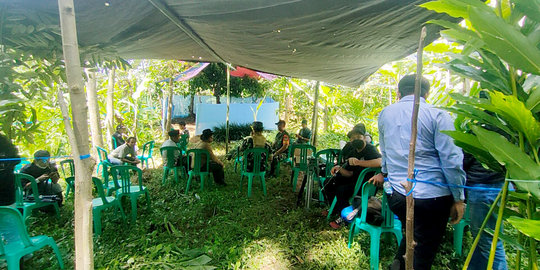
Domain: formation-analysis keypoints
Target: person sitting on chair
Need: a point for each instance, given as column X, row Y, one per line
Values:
column 280, row 147
column 118, row 136
column 8, row 160
column 216, row 165
column 304, row 135
column 360, row 156
column 183, row 130
column 174, row 138
column 125, row 153
column 42, row 169
column 256, row 140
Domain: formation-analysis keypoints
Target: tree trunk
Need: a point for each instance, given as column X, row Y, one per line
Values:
column 288, row 101
column 315, row 119
column 109, row 119
column 192, row 105
column 169, row 109
column 84, row 256
column 93, row 110
column 217, row 94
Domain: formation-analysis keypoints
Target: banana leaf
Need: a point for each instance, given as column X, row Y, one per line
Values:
column 527, row 227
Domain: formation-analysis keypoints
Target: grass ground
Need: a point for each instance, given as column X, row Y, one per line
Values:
column 220, row 227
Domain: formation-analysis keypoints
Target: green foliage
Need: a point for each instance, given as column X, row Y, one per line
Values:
column 214, row 78
column 236, row 132
column 501, row 51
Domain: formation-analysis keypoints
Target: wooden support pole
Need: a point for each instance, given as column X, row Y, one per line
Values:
column 93, row 109
column 228, row 106
column 409, row 233
column 315, row 118
column 169, row 109
column 79, row 141
column 109, row 119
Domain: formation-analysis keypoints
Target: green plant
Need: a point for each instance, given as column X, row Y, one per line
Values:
column 501, row 51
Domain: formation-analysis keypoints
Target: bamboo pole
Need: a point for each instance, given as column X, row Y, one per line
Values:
column 409, row 233
column 315, row 118
column 79, row 141
column 228, row 106
column 93, row 109
column 109, row 119
column 169, row 110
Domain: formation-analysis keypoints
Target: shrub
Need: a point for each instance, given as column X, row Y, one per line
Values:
column 236, row 132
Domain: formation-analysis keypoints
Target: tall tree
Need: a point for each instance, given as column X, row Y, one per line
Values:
column 109, row 118
column 93, row 109
column 79, row 140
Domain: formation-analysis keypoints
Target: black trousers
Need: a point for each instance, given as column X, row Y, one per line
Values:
column 217, row 172
column 342, row 190
column 430, row 219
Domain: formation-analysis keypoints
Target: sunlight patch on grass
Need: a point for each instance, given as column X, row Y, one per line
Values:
column 264, row 254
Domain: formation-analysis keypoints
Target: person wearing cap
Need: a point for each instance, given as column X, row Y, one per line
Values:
column 174, row 138
column 125, row 153
column 280, row 146
column 118, row 135
column 438, row 161
column 184, row 132
column 358, row 155
column 256, row 140
column 304, row 135
column 42, row 169
column 216, row 165
column 9, row 158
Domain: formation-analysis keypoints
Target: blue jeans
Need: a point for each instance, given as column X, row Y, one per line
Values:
column 479, row 202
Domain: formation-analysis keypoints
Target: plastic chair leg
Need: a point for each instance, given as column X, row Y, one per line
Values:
column 68, row 189
column 458, row 238
column 250, row 182
column 13, row 262
column 97, row 222
column 202, row 181
column 147, row 195
column 56, row 209
column 119, row 207
column 263, row 184
column 331, row 209
column 351, row 233
column 374, row 250
column 133, row 208
column 295, row 179
column 165, row 175
column 188, row 183
column 57, row 252
column 398, row 234
column 176, row 175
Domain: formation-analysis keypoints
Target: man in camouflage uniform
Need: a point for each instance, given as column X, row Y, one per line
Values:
column 280, row 147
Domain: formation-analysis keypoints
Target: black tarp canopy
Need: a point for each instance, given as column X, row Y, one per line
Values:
column 337, row 41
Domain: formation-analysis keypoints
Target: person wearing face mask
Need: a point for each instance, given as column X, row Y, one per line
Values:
column 125, row 153
column 42, row 169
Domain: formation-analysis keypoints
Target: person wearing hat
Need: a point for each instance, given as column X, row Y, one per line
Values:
column 174, row 138
column 256, row 140
column 42, row 169
column 359, row 155
column 280, row 146
column 304, row 135
column 119, row 135
column 216, row 165
column 438, row 161
column 125, row 153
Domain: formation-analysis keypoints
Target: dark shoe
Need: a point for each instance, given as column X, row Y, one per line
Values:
column 337, row 223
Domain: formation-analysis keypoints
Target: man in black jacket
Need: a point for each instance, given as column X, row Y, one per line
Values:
column 8, row 154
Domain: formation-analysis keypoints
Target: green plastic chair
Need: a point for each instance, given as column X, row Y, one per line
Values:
column 459, row 230
column 15, row 242
column 103, row 157
column 125, row 188
column 330, row 157
column 68, row 170
column 356, row 188
column 259, row 156
column 115, row 143
column 27, row 207
column 238, row 158
column 147, row 150
column 19, row 166
column 302, row 165
column 194, row 158
column 389, row 225
column 184, row 139
column 101, row 203
column 171, row 162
